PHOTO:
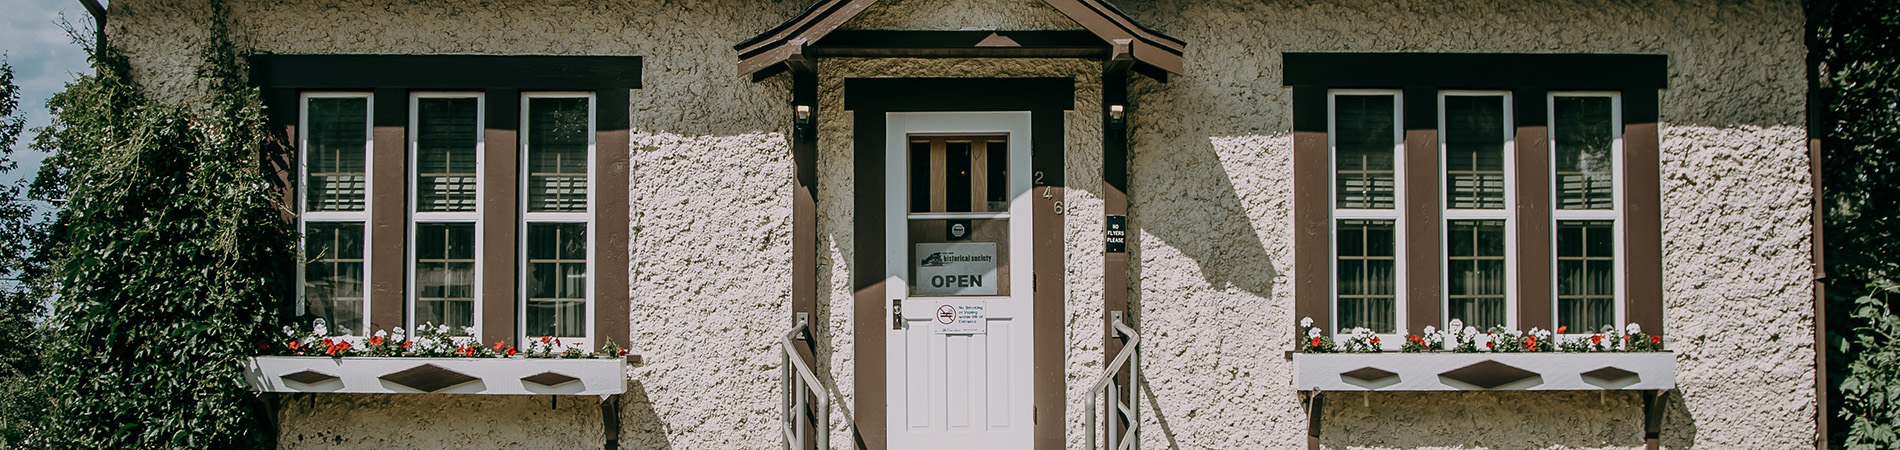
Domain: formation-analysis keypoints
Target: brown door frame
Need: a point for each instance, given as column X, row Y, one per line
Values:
column 869, row 99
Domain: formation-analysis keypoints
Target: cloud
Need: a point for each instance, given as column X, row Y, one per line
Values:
column 44, row 58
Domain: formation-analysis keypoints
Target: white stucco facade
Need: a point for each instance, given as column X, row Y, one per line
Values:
column 1211, row 205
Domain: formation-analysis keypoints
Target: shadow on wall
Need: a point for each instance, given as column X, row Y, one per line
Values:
column 1509, row 419
column 643, row 428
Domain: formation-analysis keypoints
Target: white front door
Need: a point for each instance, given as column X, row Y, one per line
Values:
column 957, row 265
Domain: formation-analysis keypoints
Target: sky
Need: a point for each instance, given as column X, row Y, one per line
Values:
column 44, row 58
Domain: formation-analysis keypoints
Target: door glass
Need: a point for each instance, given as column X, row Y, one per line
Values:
column 959, row 223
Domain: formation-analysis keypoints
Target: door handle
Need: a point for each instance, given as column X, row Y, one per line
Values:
column 897, row 314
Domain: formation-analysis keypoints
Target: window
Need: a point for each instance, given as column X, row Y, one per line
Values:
column 1438, row 187
column 1367, row 143
column 333, row 207
column 557, row 194
column 1474, row 138
column 445, row 150
column 1585, row 143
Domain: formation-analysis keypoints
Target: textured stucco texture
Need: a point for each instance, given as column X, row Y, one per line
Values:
column 1211, row 206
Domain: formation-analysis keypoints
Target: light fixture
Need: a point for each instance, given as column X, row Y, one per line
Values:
column 1116, row 113
column 802, row 114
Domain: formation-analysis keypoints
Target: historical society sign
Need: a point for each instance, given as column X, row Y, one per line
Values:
column 962, row 268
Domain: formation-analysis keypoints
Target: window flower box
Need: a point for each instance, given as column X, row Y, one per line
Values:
column 420, row 375
column 1484, row 371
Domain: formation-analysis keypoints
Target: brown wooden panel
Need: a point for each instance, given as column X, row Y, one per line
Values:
column 612, row 222
column 870, row 306
column 1424, row 234
column 1642, row 211
column 388, row 224
column 1046, row 156
column 1535, row 241
column 1312, row 209
column 499, row 238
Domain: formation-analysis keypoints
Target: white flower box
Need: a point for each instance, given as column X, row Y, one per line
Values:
column 410, row 375
column 1483, row 371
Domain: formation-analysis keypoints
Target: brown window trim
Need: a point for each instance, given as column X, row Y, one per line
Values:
column 389, row 79
column 1529, row 77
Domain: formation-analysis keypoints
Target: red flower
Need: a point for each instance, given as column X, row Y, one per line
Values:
column 1375, row 339
column 1596, row 339
column 1531, row 342
column 375, row 340
column 1490, row 344
column 1562, row 328
column 294, row 345
column 623, row 352
column 468, row 350
column 511, row 351
column 327, row 343
column 545, row 339
column 498, row 346
column 1657, row 339
column 1626, row 337
column 406, row 344
column 1313, row 343
column 557, row 342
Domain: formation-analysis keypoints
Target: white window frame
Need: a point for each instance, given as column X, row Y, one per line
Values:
column 305, row 216
column 414, row 217
column 1614, row 214
column 1508, row 214
column 1396, row 214
column 591, row 341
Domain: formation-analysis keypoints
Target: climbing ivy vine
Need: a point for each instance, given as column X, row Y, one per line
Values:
column 170, row 257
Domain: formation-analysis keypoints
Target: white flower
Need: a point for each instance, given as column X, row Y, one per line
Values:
column 1430, row 330
column 381, row 333
column 423, row 341
column 399, row 331
column 1456, row 324
column 289, row 331
column 468, row 330
column 442, row 329
column 1471, row 331
column 319, row 329
column 1312, row 332
column 1306, row 322
column 1633, row 329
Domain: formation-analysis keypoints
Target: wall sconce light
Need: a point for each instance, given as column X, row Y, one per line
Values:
column 1116, row 114
column 802, row 114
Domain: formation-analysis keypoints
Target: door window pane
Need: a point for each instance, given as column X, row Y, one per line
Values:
column 1586, row 275
column 1474, row 152
column 1583, row 134
column 1475, row 274
column 959, row 174
column 333, row 273
column 445, row 274
column 1367, row 283
column 959, row 257
column 337, row 132
column 557, row 279
column 1363, row 159
column 446, row 134
column 557, row 154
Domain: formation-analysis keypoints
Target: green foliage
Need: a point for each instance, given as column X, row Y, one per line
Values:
column 1870, row 393
column 1856, row 61
column 170, row 259
column 21, row 397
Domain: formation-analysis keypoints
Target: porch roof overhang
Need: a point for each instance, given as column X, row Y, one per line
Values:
column 1109, row 35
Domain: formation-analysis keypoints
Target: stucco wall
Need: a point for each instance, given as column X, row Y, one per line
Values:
column 1211, row 205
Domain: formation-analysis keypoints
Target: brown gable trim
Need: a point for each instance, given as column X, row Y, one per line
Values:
column 795, row 41
column 1478, row 70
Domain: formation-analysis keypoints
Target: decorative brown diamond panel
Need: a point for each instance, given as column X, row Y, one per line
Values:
column 1489, row 374
column 1367, row 374
column 309, row 377
column 549, row 379
column 1610, row 376
column 428, row 378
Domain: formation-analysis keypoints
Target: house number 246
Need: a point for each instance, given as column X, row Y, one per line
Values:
column 1048, row 193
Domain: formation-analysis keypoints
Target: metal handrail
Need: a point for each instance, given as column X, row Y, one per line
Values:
column 1130, row 412
column 800, row 386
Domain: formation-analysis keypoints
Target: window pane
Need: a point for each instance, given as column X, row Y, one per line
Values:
column 1363, row 136
column 1583, row 136
column 1475, row 272
column 1367, row 283
column 1586, row 275
column 557, row 279
column 959, row 257
column 557, row 154
column 445, row 274
column 333, row 273
column 959, row 174
column 446, row 133
column 1474, row 152
column 338, row 131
